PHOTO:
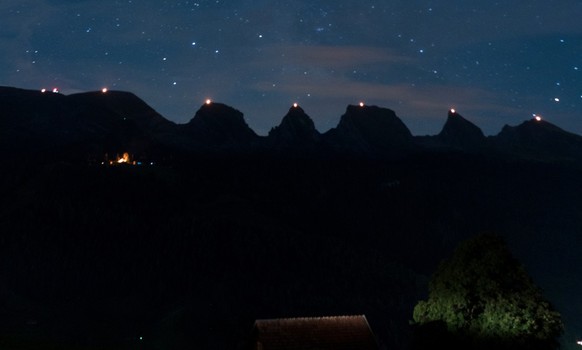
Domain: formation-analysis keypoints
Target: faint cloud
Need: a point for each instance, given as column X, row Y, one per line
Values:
column 335, row 56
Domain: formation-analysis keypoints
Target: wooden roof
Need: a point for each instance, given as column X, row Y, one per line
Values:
column 320, row 333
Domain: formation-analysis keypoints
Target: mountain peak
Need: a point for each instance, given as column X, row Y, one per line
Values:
column 539, row 139
column 295, row 126
column 460, row 133
column 534, row 128
column 218, row 115
column 371, row 128
column 219, row 125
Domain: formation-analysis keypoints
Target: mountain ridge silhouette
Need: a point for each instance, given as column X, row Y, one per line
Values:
column 102, row 122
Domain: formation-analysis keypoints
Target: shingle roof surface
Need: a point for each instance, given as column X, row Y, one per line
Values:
column 324, row 333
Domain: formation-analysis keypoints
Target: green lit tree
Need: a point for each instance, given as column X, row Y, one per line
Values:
column 483, row 295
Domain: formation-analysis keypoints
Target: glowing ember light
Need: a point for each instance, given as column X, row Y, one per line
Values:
column 104, row 90
column 295, row 105
column 453, row 111
column 43, row 90
column 55, row 91
column 124, row 159
column 361, row 104
column 208, row 101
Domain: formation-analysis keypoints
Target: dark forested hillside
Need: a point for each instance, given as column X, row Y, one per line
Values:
column 195, row 252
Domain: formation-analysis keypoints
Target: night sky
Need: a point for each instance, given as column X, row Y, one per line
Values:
column 495, row 62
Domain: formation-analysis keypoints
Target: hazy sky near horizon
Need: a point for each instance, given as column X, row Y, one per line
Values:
column 497, row 63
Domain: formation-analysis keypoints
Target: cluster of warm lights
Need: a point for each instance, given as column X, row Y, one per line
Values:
column 55, row 91
column 537, row 117
column 124, row 158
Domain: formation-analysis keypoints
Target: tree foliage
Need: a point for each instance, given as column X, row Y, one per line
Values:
column 483, row 293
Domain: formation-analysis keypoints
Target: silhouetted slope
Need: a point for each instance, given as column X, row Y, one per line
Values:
column 80, row 125
column 539, row 140
column 121, row 122
column 127, row 106
column 459, row 133
column 217, row 126
column 371, row 130
column 27, row 117
column 89, row 125
column 296, row 132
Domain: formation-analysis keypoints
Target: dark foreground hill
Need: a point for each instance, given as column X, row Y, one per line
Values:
column 188, row 252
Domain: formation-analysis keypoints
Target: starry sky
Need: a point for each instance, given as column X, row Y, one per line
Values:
column 497, row 63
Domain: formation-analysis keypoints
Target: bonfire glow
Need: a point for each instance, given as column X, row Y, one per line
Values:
column 124, row 159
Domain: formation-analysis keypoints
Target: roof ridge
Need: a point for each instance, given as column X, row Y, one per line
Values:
column 313, row 318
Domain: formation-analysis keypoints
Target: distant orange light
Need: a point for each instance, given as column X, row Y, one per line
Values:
column 124, row 159
column 295, row 105
column 208, row 101
column 453, row 111
column 361, row 104
column 104, row 90
column 538, row 118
